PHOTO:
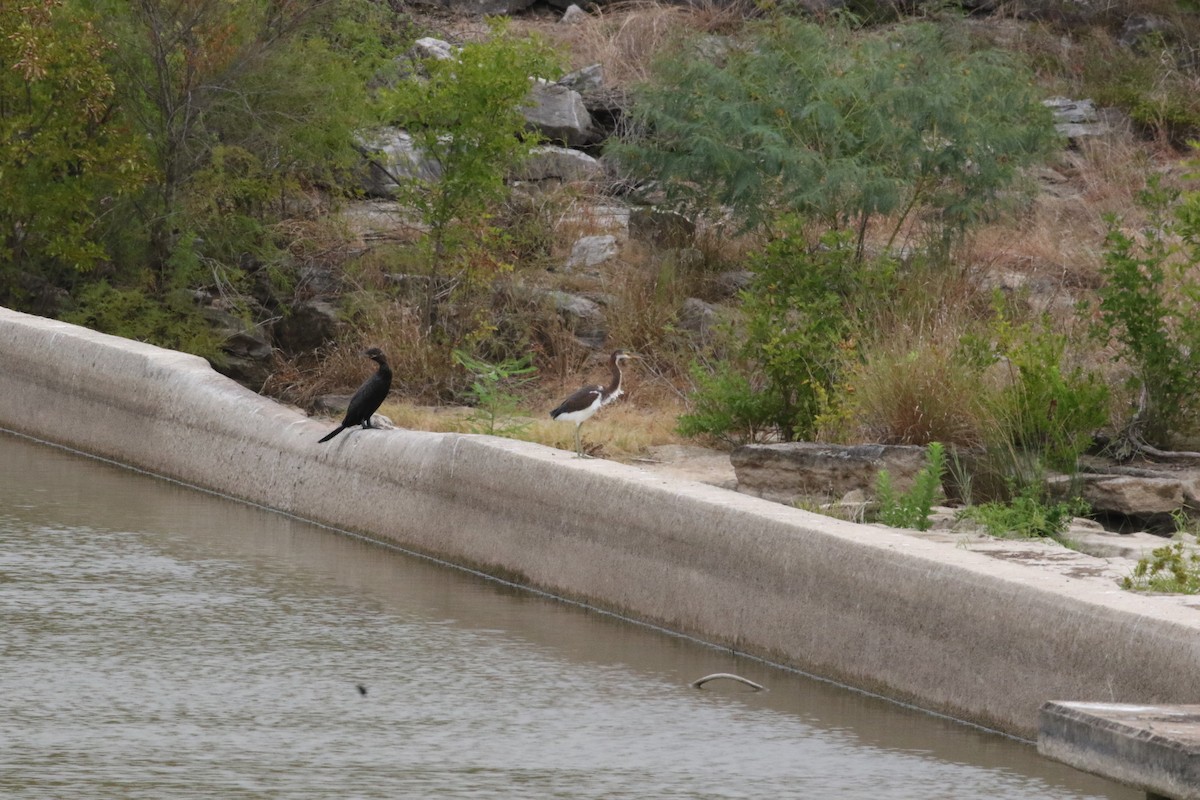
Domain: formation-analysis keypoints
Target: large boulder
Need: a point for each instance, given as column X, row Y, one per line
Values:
column 558, row 113
column 1127, row 502
column 390, row 157
column 591, row 251
column 248, row 357
column 795, row 471
column 583, row 317
column 307, row 326
column 549, row 162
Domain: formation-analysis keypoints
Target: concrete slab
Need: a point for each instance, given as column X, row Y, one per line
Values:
column 1155, row 748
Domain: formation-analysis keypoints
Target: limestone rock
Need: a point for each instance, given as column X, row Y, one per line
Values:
column 591, row 251
column 1127, row 495
column 728, row 284
column 796, row 470
column 1076, row 119
column 573, row 15
column 581, row 316
column 559, row 114
column 307, row 326
column 249, row 357
column 390, row 155
column 548, row 162
column 697, row 316
column 586, row 79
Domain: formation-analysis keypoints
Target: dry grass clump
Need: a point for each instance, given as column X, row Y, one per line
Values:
column 913, row 386
column 625, row 429
column 625, row 37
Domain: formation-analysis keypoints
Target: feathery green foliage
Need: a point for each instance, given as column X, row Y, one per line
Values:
column 1150, row 305
column 911, row 509
column 838, row 127
column 491, row 393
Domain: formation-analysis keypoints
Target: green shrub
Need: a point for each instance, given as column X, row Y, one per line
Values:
column 1029, row 515
column 800, row 316
column 911, row 509
column 1044, row 408
column 1150, row 306
column 172, row 321
column 1170, row 568
column 729, row 407
column 465, row 116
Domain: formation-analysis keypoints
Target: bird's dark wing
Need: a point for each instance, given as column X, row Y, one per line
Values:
column 367, row 400
column 578, row 401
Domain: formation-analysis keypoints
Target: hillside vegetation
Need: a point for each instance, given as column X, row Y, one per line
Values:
column 928, row 260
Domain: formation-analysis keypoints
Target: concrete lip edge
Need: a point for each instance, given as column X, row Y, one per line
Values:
column 1152, row 747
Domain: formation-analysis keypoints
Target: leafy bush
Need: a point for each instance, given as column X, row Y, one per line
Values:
column 66, row 153
column 800, row 315
column 842, row 128
column 911, row 509
column 465, row 116
column 727, row 406
column 173, row 321
column 1029, row 515
column 1150, row 305
column 1043, row 408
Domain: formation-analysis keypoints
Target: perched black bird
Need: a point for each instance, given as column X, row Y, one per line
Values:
column 369, row 397
column 581, row 405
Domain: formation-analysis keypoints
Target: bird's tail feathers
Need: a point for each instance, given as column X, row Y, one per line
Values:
column 332, row 433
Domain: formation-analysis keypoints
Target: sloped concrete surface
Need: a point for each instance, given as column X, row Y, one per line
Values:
column 928, row 622
column 1155, row 748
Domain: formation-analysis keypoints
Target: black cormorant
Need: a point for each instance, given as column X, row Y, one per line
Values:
column 369, row 397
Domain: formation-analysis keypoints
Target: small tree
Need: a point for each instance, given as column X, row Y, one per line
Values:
column 1150, row 305
column 66, row 153
column 465, row 116
column 839, row 128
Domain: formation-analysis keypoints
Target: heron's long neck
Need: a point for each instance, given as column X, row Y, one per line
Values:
column 614, row 386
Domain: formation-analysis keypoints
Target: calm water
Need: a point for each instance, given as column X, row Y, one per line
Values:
column 159, row 642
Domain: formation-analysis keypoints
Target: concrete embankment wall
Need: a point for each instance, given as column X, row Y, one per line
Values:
column 925, row 622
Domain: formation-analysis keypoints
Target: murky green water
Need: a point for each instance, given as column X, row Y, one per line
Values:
column 158, row 642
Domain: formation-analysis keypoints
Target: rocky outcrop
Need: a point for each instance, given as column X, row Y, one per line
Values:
column 795, row 471
column 389, row 157
column 583, row 317
column 551, row 162
column 558, row 113
column 591, row 251
column 1076, row 119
